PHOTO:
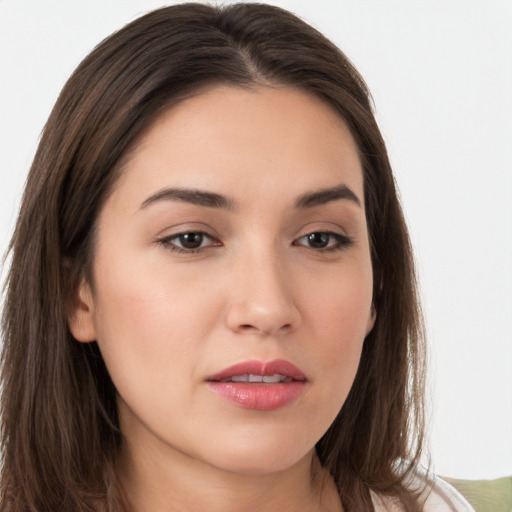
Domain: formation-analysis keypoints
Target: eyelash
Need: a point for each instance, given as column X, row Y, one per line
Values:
column 341, row 242
column 168, row 243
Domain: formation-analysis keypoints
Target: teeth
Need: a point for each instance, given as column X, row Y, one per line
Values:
column 249, row 377
column 274, row 378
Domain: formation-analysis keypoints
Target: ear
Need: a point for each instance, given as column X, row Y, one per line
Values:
column 371, row 320
column 81, row 320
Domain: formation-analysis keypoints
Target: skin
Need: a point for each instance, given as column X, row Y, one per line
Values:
column 166, row 318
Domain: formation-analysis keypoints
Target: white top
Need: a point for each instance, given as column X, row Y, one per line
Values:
column 439, row 497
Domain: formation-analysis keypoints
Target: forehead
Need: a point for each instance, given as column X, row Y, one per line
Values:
column 232, row 138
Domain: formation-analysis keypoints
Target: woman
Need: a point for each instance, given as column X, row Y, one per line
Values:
column 211, row 302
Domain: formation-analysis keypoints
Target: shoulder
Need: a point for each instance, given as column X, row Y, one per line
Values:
column 442, row 496
column 437, row 496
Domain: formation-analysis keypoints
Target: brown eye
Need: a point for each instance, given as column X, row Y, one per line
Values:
column 192, row 240
column 189, row 242
column 318, row 240
column 324, row 240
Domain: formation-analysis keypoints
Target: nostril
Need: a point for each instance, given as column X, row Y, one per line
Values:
column 251, row 328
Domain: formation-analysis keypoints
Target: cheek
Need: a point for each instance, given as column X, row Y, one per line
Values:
column 341, row 316
column 148, row 322
column 148, row 297
column 341, row 309
column 150, row 339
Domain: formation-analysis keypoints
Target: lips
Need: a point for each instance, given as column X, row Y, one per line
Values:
column 265, row 369
column 259, row 385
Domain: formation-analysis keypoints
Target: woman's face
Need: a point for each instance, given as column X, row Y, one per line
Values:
column 232, row 281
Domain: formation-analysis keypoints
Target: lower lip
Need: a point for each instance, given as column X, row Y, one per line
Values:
column 259, row 397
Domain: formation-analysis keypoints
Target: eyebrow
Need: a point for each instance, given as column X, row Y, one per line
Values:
column 326, row 195
column 193, row 196
column 214, row 200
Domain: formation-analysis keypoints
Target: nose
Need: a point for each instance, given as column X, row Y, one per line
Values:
column 262, row 299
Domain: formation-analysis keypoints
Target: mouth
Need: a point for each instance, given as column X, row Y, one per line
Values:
column 275, row 371
column 258, row 385
column 265, row 379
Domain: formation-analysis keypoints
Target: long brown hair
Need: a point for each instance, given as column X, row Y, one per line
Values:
column 59, row 428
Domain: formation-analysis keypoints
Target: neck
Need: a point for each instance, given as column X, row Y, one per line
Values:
column 154, row 481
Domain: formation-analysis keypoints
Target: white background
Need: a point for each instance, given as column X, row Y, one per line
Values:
column 441, row 76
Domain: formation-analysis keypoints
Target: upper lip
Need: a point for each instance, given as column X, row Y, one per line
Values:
column 265, row 368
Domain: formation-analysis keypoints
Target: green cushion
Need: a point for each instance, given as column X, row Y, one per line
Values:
column 486, row 495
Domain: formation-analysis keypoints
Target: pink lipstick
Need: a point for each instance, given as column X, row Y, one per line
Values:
column 258, row 385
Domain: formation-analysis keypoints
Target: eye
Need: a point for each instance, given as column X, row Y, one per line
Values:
column 188, row 242
column 324, row 241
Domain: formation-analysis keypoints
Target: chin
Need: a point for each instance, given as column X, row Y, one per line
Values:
column 259, row 466
column 260, row 455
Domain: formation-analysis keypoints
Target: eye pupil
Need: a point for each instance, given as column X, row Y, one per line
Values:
column 318, row 240
column 191, row 240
